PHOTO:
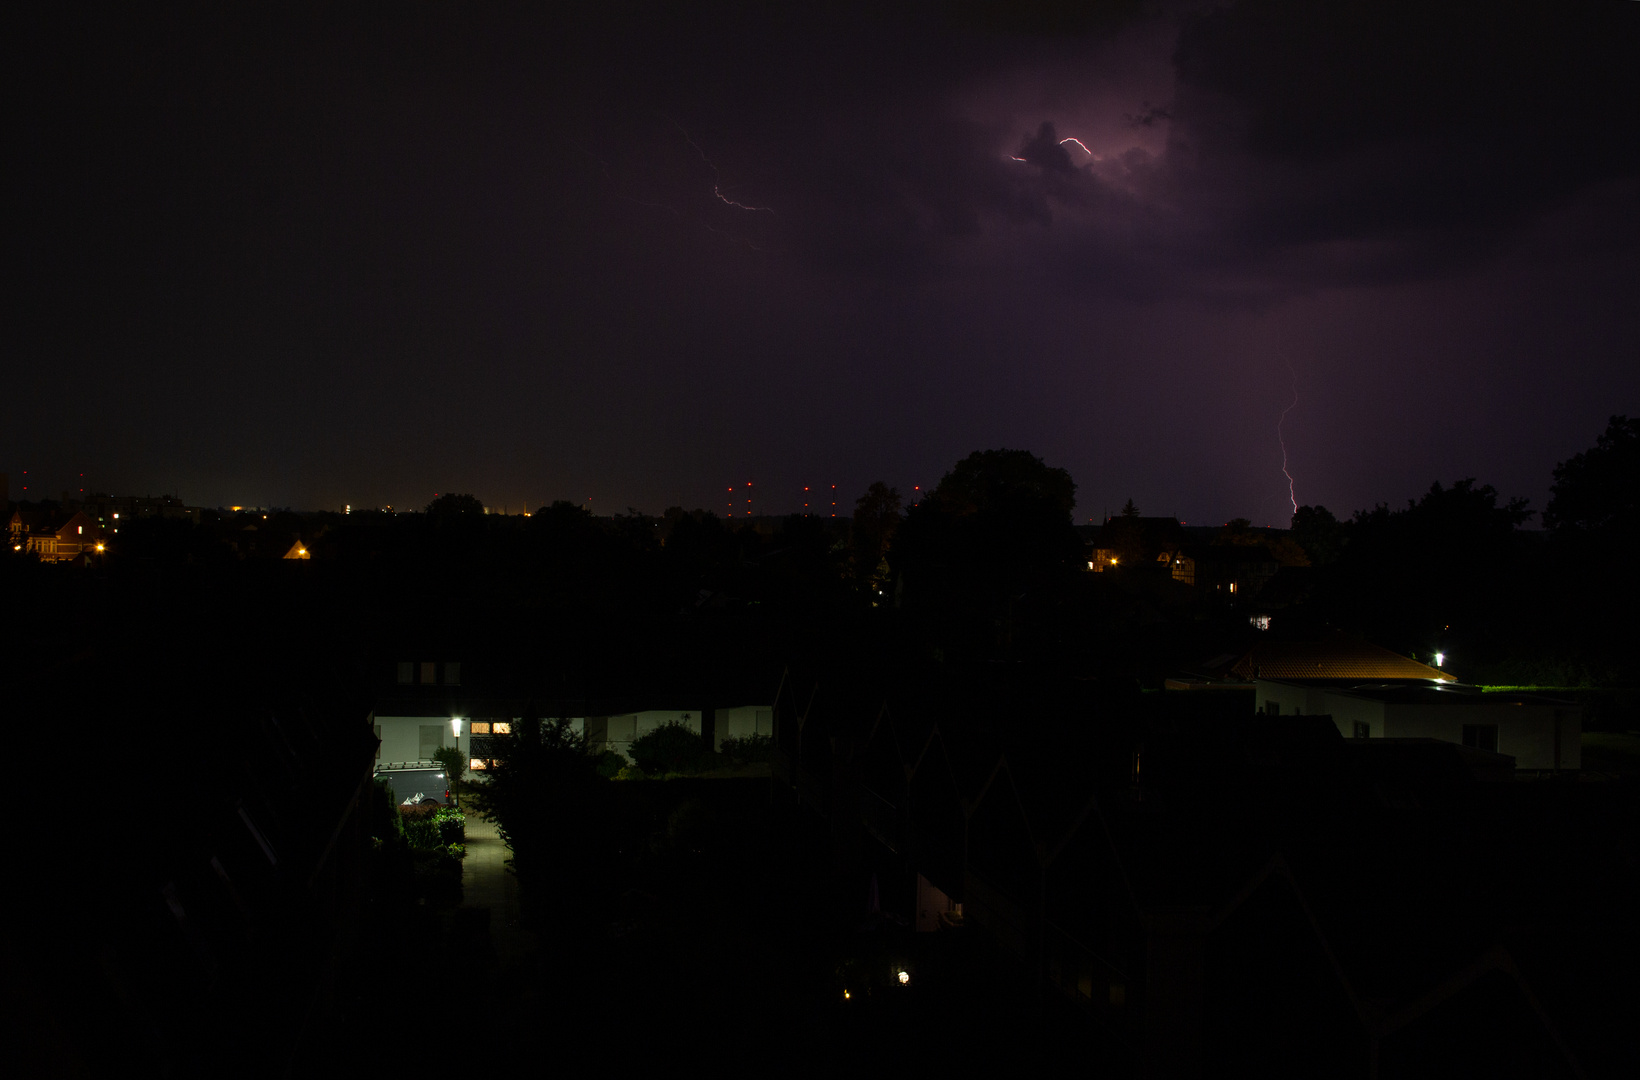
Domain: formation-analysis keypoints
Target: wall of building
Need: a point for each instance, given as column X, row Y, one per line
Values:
column 1526, row 732
column 618, row 733
column 401, row 736
column 1348, row 710
column 740, row 722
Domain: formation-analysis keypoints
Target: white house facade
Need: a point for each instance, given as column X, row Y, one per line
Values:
column 1539, row 733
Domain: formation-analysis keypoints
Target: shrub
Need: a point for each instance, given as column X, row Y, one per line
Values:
column 631, row 772
column 421, row 827
column 610, row 763
column 436, row 875
column 669, row 748
column 750, row 748
column 451, row 825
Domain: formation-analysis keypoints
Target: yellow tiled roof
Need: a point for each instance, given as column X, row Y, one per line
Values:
column 1336, row 658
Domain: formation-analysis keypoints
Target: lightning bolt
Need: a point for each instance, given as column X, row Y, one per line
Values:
column 1080, row 145
column 717, row 186
column 616, row 189
column 1292, row 493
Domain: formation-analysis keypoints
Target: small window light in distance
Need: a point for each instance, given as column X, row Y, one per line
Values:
column 502, row 727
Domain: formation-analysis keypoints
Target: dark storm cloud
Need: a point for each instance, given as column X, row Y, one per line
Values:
column 1422, row 135
column 1302, row 145
column 1045, row 151
column 628, row 250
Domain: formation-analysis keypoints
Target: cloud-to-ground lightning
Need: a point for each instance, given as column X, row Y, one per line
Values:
column 1292, row 491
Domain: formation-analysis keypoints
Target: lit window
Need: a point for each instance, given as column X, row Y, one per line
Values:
column 481, row 727
column 478, row 764
column 502, row 727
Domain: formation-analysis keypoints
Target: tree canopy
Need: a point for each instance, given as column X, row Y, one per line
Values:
column 1599, row 489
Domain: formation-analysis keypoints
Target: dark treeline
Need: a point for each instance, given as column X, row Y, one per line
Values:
column 987, row 566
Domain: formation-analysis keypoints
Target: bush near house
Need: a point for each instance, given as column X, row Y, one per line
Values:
column 609, row 764
column 669, row 748
column 751, row 748
column 430, row 827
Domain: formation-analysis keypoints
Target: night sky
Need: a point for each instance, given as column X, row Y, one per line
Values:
column 636, row 254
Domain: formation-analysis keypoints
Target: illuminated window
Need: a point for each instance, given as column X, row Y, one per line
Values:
column 481, row 727
column 502, row 727
column 478, row 764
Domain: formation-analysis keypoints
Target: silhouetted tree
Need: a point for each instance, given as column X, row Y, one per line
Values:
column 1598, row 491
column 995, row 531
column 1320, row 535
column 1446, row 568
column 537, row 797
column 454, row 507
column 876, row 518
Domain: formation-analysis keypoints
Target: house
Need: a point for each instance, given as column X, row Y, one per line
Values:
column 1539, row 733
column 55, row 537
column 620, row 731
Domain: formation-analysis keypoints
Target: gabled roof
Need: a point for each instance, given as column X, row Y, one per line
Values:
column 1336, row 657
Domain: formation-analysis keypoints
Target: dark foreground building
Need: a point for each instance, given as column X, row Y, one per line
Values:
column 1217, row 890
column 191, row 859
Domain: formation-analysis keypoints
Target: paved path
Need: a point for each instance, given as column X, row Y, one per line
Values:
column 487, row 885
